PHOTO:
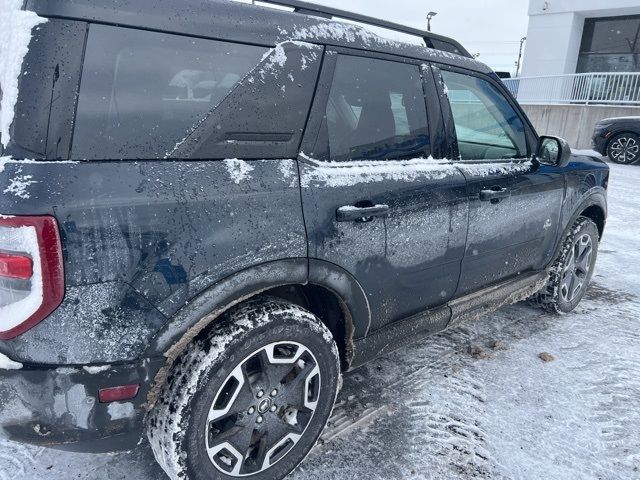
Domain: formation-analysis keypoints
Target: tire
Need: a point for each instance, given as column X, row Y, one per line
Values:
column 568, row 279
column 624, row 148
column 239, row 382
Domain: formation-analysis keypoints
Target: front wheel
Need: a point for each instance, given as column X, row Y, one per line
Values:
column 624, row 148
column 571, row 272
column 250, row 399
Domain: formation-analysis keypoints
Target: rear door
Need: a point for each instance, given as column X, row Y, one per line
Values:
column 374, row 202
column 514, row 202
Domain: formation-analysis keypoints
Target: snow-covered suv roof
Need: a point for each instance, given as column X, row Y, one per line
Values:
column 240, row 22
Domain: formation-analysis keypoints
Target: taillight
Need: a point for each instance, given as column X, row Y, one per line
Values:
column 16, row 266
column 31, row 272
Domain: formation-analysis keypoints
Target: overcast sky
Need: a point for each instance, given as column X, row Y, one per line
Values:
column 492, row 28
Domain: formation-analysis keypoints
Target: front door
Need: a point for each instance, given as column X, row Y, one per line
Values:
column 373, row 202
column 514, row 203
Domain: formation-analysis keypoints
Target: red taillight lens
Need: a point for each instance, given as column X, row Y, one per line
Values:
column 15, row 266
column 114, row 394
column 31, row 272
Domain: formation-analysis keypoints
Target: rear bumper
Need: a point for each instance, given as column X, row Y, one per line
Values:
column 58, row 407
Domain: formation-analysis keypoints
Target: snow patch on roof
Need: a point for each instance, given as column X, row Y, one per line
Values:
column 15, row 35
column 337, row 30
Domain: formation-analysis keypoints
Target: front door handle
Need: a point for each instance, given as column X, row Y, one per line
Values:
column 350, row 213
column 494, row 194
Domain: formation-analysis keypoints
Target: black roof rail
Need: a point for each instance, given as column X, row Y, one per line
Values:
column 432, row 40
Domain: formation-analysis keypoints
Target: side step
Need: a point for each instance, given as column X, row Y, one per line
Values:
column 470, row 307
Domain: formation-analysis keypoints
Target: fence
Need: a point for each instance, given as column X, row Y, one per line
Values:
column 581, row 88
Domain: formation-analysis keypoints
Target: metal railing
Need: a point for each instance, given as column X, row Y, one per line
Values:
column 581, row 88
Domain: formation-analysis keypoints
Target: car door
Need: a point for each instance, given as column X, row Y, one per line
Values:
column 373, row 202
column 514, row 202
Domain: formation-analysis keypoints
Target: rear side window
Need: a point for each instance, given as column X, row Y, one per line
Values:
column 487, row 126
column 141, row 92
column 376, row 111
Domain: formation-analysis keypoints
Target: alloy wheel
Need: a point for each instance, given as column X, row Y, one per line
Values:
column 576, row 268
column 262, row 409
column 625, row 150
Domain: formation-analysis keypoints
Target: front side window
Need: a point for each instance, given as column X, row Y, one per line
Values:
column 141, row 92
column 375, row 111
column 487, row 126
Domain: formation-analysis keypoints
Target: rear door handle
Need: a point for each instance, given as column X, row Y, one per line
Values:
column 350, row 213
column 494, row 194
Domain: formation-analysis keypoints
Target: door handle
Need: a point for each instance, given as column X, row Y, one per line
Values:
column 494, row 194
column 350, row 213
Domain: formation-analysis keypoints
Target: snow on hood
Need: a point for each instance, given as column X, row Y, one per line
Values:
column 15, row 35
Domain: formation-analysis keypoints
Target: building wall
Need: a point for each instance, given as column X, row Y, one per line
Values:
column 555, row 32
column 574, row 123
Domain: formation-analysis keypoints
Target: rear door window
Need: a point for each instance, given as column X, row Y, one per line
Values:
column 376, row 111
column 142, row 92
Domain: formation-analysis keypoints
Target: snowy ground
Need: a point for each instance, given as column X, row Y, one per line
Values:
column 433, row 410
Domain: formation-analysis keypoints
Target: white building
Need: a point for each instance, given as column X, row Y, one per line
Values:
column 579, row 36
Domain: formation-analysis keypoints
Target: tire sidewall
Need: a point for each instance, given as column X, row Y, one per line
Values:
column 589, row 228
column 279, row 328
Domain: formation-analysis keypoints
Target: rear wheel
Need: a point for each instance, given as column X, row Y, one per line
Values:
column 571, row 272
column 624, row 148
column 250, row 399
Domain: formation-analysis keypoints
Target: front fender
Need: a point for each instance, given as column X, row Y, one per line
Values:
column 596, row 197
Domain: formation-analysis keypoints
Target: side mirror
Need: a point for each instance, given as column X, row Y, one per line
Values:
column 553, row 151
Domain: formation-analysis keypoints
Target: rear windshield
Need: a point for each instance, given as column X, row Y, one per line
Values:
column 141, row 92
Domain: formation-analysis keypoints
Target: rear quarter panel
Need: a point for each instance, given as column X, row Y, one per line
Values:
column 141, row 239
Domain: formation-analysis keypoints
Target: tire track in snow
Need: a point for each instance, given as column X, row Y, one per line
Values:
column 16, row 460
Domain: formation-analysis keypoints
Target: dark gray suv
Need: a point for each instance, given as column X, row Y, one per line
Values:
column 210, row 210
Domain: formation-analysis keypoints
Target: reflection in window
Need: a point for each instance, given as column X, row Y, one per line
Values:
column 141, row 92
column 610, row 45
column 376, row 111
column 486, row 124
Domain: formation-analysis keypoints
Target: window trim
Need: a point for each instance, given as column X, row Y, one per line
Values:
column 313, row 131
column 531, row 136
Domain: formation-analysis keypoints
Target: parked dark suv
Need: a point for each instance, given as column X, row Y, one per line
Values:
column 212, row 209
column 618, row 138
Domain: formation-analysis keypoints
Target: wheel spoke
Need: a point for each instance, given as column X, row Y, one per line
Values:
column 576, row 285
column 236, row 435
column 295, row 389
column 225, row 401
column 572, row 279
column 275, row 439
column 262, row 447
